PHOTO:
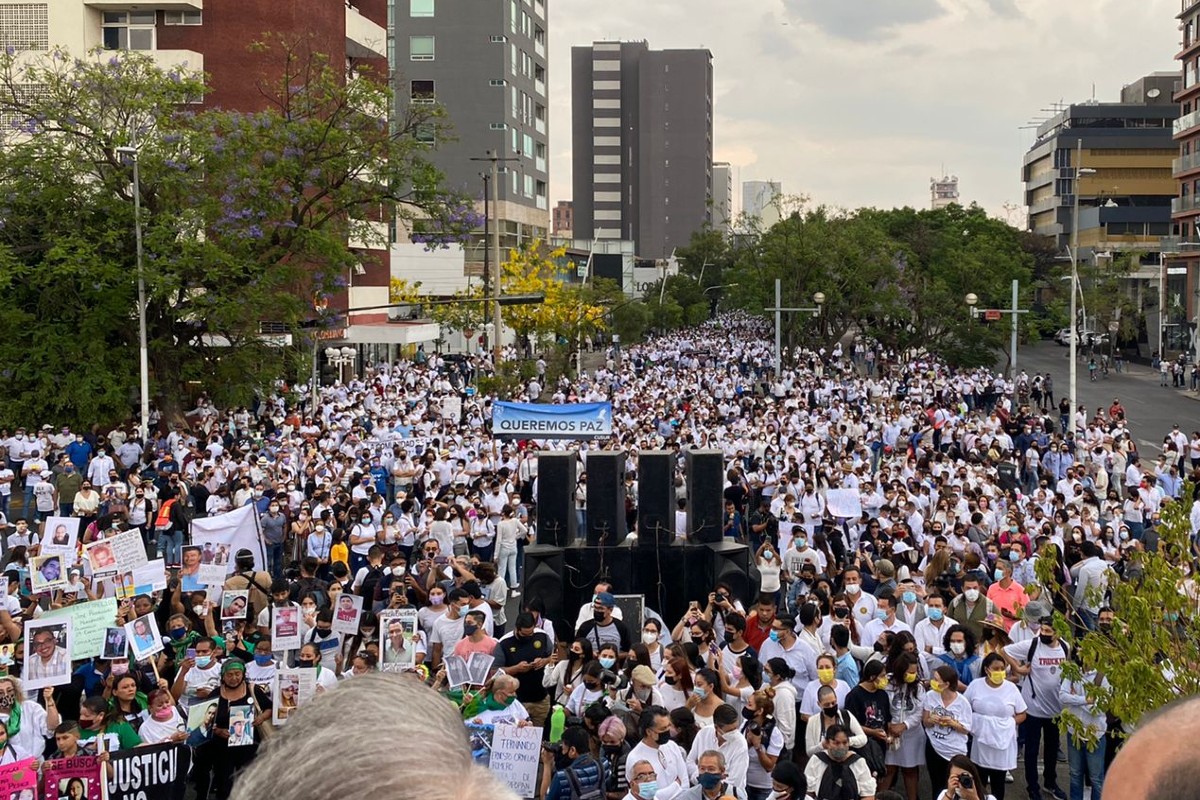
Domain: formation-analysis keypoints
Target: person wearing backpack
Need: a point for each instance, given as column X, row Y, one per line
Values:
column 582, row 777
column 369, row 580
column 838, row 773
column 1039, row 663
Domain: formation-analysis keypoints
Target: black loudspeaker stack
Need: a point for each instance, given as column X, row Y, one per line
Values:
column 656, row 498
column 605, row 498
column 557, row 522
column 705, row 494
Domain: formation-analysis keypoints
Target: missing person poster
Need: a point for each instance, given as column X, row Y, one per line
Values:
column 73, row 778
column 516, row 753
column 19, row 781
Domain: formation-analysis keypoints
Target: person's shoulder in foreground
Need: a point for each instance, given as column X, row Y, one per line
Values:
column 1158, row 762
column 399, row 722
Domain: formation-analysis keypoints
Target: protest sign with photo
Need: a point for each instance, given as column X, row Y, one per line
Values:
column 347, row 611
column 292, row 688
column 60, row 535
column 241, row 726
column 516, row 754
column 285, row 628
column 101, row 557
column 73, row 778
column 116, row 644
column 19, row 781
column 398, row 639
column 155, row 772
column 47, row 573
column 235, row 530
column 89, row 623
column 234, row 603
column 47, row 653
column 129, row 550
column 200, row 718
column 144, row 637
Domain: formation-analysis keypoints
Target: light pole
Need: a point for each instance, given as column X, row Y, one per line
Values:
column 143, row 347
column 972, row 300
column 818, row 299
column 341, row 358
column 1079, row 171
column 495, row 159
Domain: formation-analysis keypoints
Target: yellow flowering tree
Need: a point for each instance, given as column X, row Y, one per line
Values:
column 569, row 310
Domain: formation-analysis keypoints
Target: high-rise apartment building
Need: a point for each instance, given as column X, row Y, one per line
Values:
column 485, row 63
column 1182, row 249
column 723, row 212
column 218, row 37
column 943, row 192
column 642, row 144
column 760, row 201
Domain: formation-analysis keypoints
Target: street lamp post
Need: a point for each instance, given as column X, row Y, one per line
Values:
column 341, row 358
column 818, row 299
column 495, row 159
column 1079, row 171
column 143, row 346
column 972, row 300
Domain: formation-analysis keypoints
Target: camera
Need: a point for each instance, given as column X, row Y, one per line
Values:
column 754, row 728
column 609, row 678
column 966, row 781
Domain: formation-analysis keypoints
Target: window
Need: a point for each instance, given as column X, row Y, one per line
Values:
column 422, row 93
column 420, row 8
column 128, row 30
column 497, row 126
column 420, row 48
column 497, row 82
column 424, row 135
column 26, row 26
column 183, row 18
column 499, row 39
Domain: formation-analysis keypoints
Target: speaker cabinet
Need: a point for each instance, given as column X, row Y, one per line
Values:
column 656, row 498
column 557, row 522
column 731, row 565
column 705, row 486
column 606, row 499
column 545, row 567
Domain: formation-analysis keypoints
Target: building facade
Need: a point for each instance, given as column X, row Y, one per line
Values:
column 1182, row 247
column 486, row 65
column 760, row 202
column 943, row 192
column 723, row 212
column 642, row 143
column 564, row 219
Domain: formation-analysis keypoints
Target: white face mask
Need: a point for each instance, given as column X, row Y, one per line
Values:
column 958, row 648
column 649, row 637
column 853, row 588
column 971, row 594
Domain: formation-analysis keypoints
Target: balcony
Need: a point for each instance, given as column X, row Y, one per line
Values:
column 167, row 60
column 1182, row 205
column 1046, row 203
column 1186, row 122
column 134, row 5
column 1185, row 163
column 364, row 38
column 540, row 87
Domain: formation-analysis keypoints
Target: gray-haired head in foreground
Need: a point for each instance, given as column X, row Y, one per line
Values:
column 379, row 735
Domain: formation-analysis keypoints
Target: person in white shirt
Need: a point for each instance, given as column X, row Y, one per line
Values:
column 723, row 737
column 1091, row 583
column 656, row 747
column 997, row 708
column 931, row 631
column 885, row 619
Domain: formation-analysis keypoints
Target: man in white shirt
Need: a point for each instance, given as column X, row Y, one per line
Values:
column 885, row 620
column 656, row 747
column 931, row 631
column 1090, row 584
column 724, row 737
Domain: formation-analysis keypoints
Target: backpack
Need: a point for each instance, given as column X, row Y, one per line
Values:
column 371, row 585
column 1033, row 646
column 578, row 792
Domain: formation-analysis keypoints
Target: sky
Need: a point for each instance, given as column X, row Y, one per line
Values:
column 860, row 102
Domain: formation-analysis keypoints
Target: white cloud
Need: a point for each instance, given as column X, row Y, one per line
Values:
column 859, row 102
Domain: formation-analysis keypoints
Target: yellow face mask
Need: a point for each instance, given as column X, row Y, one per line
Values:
column 825, row 675
column 910, row 677
column 937, row 686
column 997, row 676
column 882, row 683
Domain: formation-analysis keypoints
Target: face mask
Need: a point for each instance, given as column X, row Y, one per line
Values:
column 304, row 662
column 607, row 662
column 880, row 614
column 708, row 780
column 649, row 637
column 767, row 554
column 997, row 676
column 958, row 648
column 648, row 789
column 830, row 712
column 436, row 599
column 773, row 636
column 936, row 686
column 882, row 683
column 470, row 628
column 669, row 680
column 1014, row 556
column 839, row 753
column 324, row 634
column 203, row 662
column 909, row 598
column 998, row 574
column 178, row 633
column 841, row 613
column 972, row 595
column 598, row 616
column 1046, row 640
column 853, row 588
column 262, row 659
column 801, row 544
column 663, row 737
column 934, row 614
column 198, row 611
column 163, row 714
column 1104, row 627
column 910, row 677
column 825, row 675
column 701, row 693
column 747, row 714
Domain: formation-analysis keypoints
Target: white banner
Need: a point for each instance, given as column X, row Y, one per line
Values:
column 236, row 530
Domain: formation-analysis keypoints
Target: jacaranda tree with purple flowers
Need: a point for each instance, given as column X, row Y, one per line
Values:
column 247, row 218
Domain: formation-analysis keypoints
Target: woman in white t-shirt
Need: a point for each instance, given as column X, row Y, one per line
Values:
column 769, row 566
column 163, row 721
column 998, row 708
column 947, row 718
column 963, row 781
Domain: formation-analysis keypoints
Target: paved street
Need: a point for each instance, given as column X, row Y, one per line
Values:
column 1151, row 409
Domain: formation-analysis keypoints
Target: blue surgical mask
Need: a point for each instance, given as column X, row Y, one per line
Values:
column 934, row 614
column 998, row 574
column 1014, row 556
column 701, row 693
column 880, row 614
column 203, row 662
column 648, row 789
column 909, row 598
column 263, row 659
column 773, row 636
column 607, row 662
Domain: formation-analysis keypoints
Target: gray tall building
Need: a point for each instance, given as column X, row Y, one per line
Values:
column 486, row 64
column 722, row 202
column 642, row 144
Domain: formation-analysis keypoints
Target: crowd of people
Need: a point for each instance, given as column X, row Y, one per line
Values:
column 912, row 638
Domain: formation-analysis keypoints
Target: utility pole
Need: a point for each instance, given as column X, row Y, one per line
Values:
column 495, row 159
column 818, row 298
column 994, row 314
column 143, row 344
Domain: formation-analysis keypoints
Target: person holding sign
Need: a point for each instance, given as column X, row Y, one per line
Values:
column 165, row 723
column 24, row 721
column 105, row 725
column 216, row 761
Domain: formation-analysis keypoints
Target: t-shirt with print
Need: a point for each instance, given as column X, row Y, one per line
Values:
column 1040, row 687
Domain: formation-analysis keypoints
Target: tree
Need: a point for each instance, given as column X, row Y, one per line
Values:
column 1150, row 656
column 245, row 216
column 706, row 256
column 566, row 314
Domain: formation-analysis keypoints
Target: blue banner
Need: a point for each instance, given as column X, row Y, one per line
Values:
column 542, row 421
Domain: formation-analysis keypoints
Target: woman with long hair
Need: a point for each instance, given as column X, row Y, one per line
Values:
column 566, row 673
column 906, row 754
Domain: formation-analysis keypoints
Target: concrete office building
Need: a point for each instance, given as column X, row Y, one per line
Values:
column 486, row 65
column 943, row 192
column 722, row 202
column 217, row 37
column 760, row 201
column 642, row 143
column 1182, row 248
column 1125, row 204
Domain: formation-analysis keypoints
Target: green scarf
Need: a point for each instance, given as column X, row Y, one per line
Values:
column 13, row 726
column 484, row 702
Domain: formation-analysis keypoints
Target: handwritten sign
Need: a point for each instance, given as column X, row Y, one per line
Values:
column 515, row 756
column 90, row 621
column 19, row 780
